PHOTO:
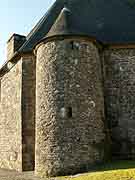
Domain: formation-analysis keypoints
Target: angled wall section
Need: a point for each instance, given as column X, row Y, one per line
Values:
column 17, row 115
column 28, row 112
column 10, row 119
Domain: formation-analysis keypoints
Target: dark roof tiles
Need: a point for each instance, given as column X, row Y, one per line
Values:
column 42, row 27
column 109, row 21
column 62, row 25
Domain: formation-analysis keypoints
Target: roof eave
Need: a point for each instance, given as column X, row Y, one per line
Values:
column 14, row 59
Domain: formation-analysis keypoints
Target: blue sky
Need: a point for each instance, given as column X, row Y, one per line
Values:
column 19, row 17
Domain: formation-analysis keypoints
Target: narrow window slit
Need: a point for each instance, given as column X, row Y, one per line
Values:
column 72, row 45
column 69, row 112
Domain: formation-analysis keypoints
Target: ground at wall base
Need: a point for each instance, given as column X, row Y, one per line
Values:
column 120, row 170
column 13, row 175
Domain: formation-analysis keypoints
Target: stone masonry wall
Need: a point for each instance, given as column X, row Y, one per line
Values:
column 10, row 119
column 69, row 108
column 28, row 112
column 10, row 49
column 119, row 71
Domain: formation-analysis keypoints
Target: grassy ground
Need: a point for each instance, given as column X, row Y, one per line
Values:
column 122, row 170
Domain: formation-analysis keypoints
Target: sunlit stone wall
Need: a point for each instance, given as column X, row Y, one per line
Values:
column 69, row 107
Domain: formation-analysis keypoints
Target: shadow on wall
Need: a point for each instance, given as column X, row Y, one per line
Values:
column 115, row 165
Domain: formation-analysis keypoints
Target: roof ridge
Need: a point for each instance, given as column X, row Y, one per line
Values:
column 38, row 25
column 91, row 19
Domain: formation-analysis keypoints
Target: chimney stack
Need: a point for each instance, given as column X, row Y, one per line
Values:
column 13, row 44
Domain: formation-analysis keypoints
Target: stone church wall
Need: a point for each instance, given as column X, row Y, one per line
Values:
column 69, row 108
column 17, row 116
column 119, row 70
column 28, row 112
column 10, row 119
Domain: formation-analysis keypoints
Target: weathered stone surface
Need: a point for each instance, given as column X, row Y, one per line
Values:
column 28, row 112
column 119, row 68
column 10, row 119
column 69, row 107
column 17, row 116
column 67, row 83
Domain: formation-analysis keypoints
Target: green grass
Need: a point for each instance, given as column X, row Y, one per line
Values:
column 120, row 170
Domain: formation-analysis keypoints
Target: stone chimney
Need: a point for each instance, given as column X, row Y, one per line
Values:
column 13, row 44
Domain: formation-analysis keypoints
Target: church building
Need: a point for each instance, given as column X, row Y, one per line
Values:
column 67, row 99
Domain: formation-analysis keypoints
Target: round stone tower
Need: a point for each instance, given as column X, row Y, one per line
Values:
column 69, row 101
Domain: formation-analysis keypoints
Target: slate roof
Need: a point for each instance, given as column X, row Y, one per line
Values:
column 109, row 21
